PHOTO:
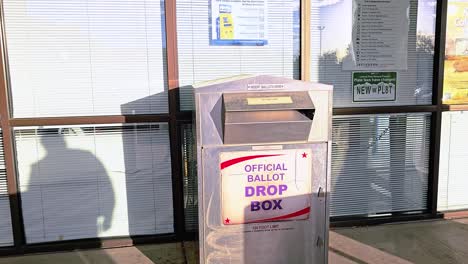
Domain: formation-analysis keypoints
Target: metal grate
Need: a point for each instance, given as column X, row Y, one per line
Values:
column 190, row 178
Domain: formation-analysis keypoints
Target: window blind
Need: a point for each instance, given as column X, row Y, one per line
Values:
column 95, row 181
column 200, row 61
column 331, row 30
column 453, row 162
column 380, row 164
column 6, row 232
column 189, row 158
column 85, row 57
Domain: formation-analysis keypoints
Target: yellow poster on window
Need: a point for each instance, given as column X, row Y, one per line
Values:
column 456, row 54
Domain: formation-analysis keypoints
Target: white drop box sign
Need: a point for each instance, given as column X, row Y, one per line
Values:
column 265, row 186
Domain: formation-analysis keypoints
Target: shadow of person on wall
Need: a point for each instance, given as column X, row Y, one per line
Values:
column 69, row 194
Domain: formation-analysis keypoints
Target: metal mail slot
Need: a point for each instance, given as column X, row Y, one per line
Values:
column 267, row 117
column 257, row 101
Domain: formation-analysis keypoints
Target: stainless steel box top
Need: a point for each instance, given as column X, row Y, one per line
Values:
column 219, row 102
column 267, row 117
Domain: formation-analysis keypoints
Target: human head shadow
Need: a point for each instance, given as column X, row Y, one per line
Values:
column 69, row 194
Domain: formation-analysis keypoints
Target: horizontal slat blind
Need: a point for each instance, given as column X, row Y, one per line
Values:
column 85, row 57
column 200, row 61
column 94, row 181
column 380, row 164
column 331, row 29
column 190, row 178
column 6, row 232
column 453, row 169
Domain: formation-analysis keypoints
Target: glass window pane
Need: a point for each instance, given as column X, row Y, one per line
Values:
column 83, row 58
column 201, row 60
column 453, row 165
column 6, row 232
column 380, row 164
column 331, row 39
column 95, row 181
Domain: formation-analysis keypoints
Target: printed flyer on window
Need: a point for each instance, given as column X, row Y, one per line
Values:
column 239, row 22
column 456, row 54
column 374, row 86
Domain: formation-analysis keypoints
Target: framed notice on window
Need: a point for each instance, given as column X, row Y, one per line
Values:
column 238, row 22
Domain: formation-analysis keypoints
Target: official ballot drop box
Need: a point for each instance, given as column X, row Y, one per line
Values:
column 263, row 149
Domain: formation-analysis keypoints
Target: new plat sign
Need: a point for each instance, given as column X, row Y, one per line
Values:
column 374, row 86
column 265, row 186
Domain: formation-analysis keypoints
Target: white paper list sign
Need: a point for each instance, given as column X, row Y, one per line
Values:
column 379, row 35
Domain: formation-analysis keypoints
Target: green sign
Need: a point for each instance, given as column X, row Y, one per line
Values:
column 374, row 86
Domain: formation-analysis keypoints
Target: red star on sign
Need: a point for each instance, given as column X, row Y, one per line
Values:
column 227, row 221
column 304, row 155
